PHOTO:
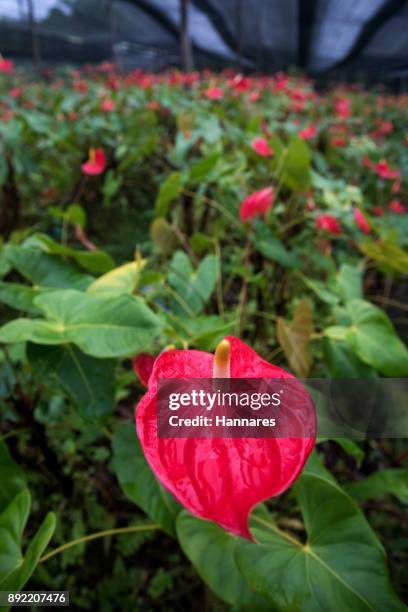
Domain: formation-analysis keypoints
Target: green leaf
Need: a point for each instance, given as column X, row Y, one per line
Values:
column 32, row 555
column 193, row 287
column 11, row 477
column 349, row 283
column 386, row 254
column 20, row 297
column 110, row 327
column 211, row 550
column 203, row 167
column 89, row 381
column 320, row 289
column 341, row 362
column 271, row 247
column 137, row 480
column 13, row 520
column 169, row 191
column 45, row 270
column 340, row 567
column 374, row 340
column 296, row 166
column 390, row 481
column 94, row 261
column 121, row 280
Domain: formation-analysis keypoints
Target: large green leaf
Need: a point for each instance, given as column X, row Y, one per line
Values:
column 109, row 327
column 193, row 287
column 13, row 520
column 35, row 549
column 20, row 297
column 349, row 283
column 123, row 279
column 373, row 338
column 45, row 270
column 11, row 477
column 137, row 479
column 211, row 550
column 391, row 481
column 341, row 362
column 341, row 566
column 90, row 381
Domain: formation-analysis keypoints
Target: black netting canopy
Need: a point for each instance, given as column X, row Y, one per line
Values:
column 363, row 38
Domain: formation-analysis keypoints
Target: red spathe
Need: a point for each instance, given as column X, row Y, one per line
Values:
column 220, row 479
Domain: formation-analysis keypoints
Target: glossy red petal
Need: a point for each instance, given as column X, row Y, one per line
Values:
column 220, row 479
column 143, row 366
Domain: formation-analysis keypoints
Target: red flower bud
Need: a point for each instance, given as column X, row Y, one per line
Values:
column 261, row 146
column 256, row 204
column 96, row 163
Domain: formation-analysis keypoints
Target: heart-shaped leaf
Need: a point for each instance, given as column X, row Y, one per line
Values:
column 340, row 566
column 110, row 327
column 137, row 480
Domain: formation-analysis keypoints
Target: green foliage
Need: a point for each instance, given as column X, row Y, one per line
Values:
column 152, row 252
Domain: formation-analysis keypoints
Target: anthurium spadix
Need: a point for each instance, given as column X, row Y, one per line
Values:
column 220, row 478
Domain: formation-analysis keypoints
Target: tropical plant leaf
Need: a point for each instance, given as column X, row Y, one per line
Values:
column 137, row 480
column 110, row 327
column 340, row 566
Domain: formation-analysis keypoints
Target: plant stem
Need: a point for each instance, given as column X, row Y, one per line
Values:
column 95, row 536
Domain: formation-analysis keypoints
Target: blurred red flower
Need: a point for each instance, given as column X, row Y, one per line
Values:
column 378, row 211
column 6, row 65
column 308, row 132
column 107, row 106
column 328, row 223
column 385, row 171
column 256, row 204
column 361, row 221
column 214, row 93
column 96, row 163
column 397, row 207
column 261, row 146
column 16, row 92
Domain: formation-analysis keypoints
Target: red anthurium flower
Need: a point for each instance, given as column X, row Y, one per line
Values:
column 361, row 221
column 143, row 366
column 107, row 106
column 15, row 92
column 261, row 146
column 219, row 479
column 396, row 187
column 384, row 171
column 378, row 211
column 96, row 163
column 329, row 224
column 397, row 207
column 6, row 66
column 308, row 132
column 214, row 93
column 256, row 204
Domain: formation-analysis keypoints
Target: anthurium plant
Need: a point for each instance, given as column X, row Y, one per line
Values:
column 197, row 226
